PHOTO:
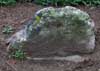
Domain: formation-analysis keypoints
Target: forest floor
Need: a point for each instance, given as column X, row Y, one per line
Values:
column 16, row 15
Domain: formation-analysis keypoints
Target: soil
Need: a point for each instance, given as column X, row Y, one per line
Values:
column 16, row 15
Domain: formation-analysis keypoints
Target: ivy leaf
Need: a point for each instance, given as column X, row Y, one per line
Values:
column 37, row 18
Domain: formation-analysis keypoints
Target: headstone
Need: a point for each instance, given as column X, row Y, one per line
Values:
column 56, row 32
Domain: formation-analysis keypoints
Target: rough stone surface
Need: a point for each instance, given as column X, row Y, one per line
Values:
column 56, row 31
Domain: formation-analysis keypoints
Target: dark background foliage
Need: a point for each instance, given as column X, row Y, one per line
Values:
column 7, row 2
column 68, row 2
column 54, row 2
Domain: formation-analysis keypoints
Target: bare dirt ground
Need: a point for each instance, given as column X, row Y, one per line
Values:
column 16, row 15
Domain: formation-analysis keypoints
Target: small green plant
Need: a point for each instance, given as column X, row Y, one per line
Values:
column 7, row 29
column 16, row 51
column 18, row 54
column 7, row 2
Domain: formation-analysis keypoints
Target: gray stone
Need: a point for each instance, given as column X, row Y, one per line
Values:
column 56, row 31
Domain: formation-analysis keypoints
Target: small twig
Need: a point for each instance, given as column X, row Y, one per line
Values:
column 74, row 58
column 11, row 66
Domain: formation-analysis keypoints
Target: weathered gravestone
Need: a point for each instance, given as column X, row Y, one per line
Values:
column 56, row 32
